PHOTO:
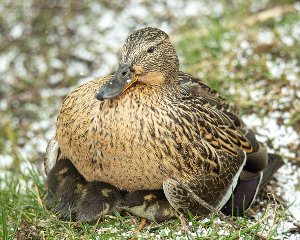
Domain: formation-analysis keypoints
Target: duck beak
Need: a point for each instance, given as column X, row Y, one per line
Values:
column 125, row 76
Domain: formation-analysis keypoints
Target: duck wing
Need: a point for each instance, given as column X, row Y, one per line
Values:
column 218, row 112
column 198, row 87
column 220, row 125
column 223, row 144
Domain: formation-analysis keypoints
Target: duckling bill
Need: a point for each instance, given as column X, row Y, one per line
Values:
column 161, row 130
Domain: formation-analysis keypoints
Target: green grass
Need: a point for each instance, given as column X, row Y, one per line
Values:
column 204, row 53
column 23, row 215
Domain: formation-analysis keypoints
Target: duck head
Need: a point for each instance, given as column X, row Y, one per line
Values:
column 147, row 57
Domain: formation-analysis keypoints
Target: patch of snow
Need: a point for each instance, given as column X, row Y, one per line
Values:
column 288, row 175
column 292, row 77
column 265, row 37
column 192, row 9
column 19, row 64
column 55, row 78
column 296, row 30
column 17, row 31
column 3, row 104
column 74, row 68
column 6, row 59
column 5, row 161
column 288, row 40
column 244, row 44
column 56, row 63
column 276, row 68
column 40, row 64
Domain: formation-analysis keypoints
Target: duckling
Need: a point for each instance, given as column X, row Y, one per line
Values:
column 72, row 197
column 151, row 127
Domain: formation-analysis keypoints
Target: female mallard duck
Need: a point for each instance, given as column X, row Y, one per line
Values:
column 149, row 127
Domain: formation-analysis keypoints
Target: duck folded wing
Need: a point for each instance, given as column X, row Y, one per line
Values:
column 220, row 120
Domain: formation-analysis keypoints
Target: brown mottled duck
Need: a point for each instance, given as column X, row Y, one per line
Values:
column 147, row 137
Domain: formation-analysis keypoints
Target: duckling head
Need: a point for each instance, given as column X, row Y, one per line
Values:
column 147, row 57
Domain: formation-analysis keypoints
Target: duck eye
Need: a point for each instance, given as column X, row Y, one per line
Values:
column 150, row 50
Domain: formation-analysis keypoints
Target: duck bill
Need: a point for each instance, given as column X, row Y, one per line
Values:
column 121, row 80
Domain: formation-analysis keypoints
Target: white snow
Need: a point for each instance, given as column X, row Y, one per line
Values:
column 5, row 161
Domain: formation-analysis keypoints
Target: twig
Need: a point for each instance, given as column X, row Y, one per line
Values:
column 297, row 225
column 294, row 159
column 37, row 193
column 262, row 16
column 274, row 222
column 277, row 11
column 295, row 229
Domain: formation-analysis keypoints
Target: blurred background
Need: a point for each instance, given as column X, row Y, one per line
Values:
column 247, row 50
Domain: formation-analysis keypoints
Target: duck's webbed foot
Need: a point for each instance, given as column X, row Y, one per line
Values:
column 73, row 197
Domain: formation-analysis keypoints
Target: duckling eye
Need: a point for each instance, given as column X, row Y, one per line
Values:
column 150, row 50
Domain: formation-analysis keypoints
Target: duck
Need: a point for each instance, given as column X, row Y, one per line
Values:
column 152, row 140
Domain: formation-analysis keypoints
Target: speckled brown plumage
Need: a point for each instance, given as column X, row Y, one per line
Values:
column 125, row 140
column 162, row 122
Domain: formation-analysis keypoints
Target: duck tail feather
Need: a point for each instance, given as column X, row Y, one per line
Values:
column 274, row 163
